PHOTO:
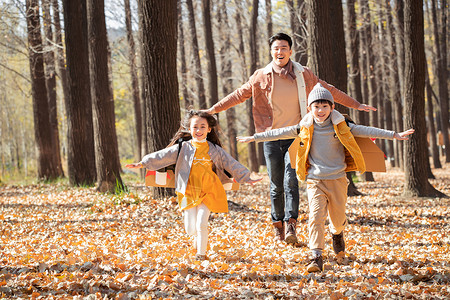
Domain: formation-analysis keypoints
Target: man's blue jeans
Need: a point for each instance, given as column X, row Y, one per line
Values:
column 284, row 194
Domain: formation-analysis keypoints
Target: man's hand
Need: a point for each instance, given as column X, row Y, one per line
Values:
column 245, row 139
column 210, row 111
column 365, row 107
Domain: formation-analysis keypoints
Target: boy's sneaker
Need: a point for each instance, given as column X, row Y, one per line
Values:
column 315, row 265
column 291, row 237
column 279, row 230
column 338, row 243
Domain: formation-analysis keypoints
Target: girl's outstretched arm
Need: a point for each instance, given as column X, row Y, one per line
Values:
column 134, row 165
column 245, row 139
column 252, row 181
column 403, row 135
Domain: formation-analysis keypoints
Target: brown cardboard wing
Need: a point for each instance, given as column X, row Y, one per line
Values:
column 373, row 156
column 152, row 178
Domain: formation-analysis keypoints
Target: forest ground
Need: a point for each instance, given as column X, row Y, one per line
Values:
column 62, row 242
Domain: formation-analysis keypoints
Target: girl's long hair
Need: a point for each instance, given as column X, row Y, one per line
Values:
column 184, row 134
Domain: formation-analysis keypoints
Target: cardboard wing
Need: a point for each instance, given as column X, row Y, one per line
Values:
column 373, row 156
column 167, row 180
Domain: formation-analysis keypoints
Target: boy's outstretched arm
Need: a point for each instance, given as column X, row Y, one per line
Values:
column 403, row 135
column 245, row 139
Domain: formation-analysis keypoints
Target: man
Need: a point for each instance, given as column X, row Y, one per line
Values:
column 280, row 92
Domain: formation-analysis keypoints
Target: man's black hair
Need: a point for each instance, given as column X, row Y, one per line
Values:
column 280, row 36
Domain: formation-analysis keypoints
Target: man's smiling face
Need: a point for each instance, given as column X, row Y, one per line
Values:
column 280, row 52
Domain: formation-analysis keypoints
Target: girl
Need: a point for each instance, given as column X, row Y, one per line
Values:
column 199, row 173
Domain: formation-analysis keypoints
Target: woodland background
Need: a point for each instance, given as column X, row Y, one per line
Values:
column 92, row 84
column 86, row 86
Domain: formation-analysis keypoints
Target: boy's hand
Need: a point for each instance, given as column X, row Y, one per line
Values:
column 366, row 107
column 245, row 139
column 403, row 135
column 134, row 166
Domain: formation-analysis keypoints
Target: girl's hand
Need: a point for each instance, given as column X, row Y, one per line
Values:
column 403, row 135
column 245, row 139
column 134, row 166
column 252, row 181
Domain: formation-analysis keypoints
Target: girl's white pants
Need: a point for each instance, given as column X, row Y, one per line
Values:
column 196, row 223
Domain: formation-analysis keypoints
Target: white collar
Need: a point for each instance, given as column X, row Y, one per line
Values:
column 269, row 69
column 308, row 119
column 199, row 141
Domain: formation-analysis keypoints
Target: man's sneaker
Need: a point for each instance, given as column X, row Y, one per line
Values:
column 279, row 230
column 338, row 243
column 291, row 225
column 315, row 265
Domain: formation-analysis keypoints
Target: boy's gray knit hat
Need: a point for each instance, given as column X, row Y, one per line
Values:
column 319, row 93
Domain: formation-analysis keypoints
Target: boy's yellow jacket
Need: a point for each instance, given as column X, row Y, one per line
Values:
column 353, row 155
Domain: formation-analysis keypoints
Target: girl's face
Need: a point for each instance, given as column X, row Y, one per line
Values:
column 320, row 110
column 199, row 128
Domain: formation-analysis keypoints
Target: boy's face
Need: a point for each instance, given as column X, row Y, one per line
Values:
column 280, row 52
column 320, row 110
column 199, row 128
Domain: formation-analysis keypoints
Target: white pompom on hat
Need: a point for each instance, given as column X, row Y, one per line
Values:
column 319, row 93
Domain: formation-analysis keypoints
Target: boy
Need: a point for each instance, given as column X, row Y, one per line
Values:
column 327, row 150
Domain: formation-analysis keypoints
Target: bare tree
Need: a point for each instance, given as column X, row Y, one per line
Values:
column 50, row 81
column 134, row 77
column 80, row 136
column 226, row 73
column 441, row 68
column 252, row 154
column 47, row 166
column 432, row 142
column 415, row 149
column 106, row 151
column 210, row 56
column 195, row 53
column 186, row 99
column 158, row 20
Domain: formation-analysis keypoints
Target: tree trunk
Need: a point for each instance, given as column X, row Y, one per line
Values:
column 415, row 148
column 134, row 78
column 339, row 60
column 431, row 127
column 241, row 47
column 298, row 18
column 183, row 69
column 382, row 71
column 61, row 63
column 195, row 52
column 50, row 81
column 393, row 85
column 47, row 167
column 210, row 56
column 106, row 153
column 353, row 57
column 81, row 153
column 269, row 18
column 227, row 85
column 252, row 154
column 398, row 105
column 159, row 31
column 369, row 70
column 441, row 67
